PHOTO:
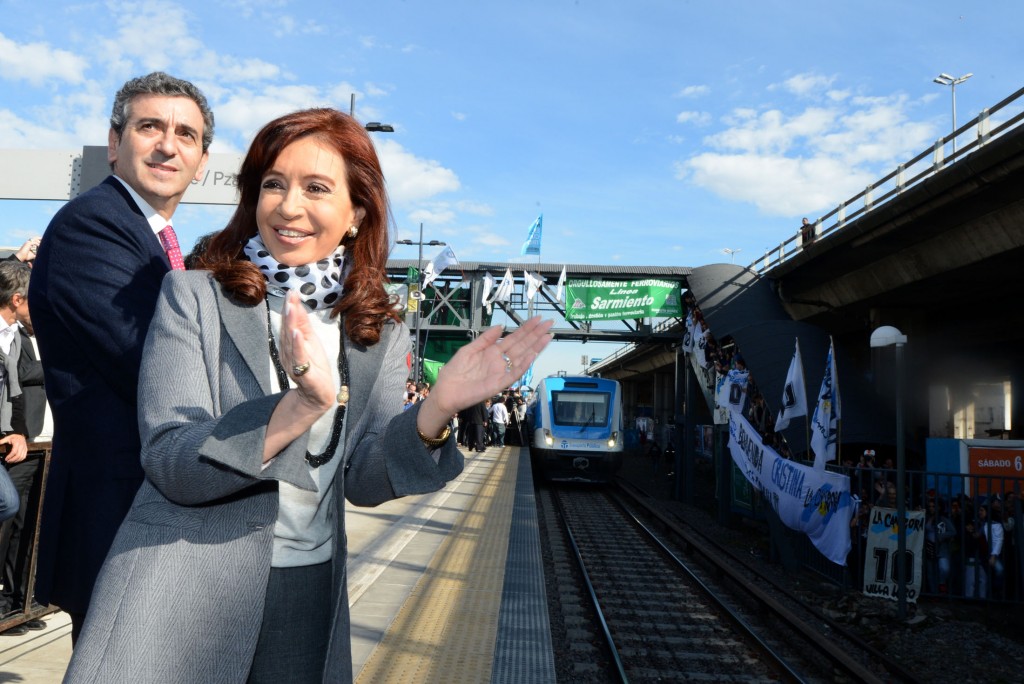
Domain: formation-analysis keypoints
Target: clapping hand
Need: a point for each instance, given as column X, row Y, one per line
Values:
column 303, row 357
column 489, row 364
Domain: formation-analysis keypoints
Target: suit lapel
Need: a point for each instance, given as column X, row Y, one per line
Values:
column 247, row 329
column 364, row 367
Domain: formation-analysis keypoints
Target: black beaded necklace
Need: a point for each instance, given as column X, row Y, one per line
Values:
column 317, row 460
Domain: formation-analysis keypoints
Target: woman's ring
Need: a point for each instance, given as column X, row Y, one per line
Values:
column 300, row 369
column 508, row 362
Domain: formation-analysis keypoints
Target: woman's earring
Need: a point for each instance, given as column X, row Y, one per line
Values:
column 353, row 231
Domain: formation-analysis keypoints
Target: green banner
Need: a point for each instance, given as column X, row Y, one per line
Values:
column 615, row 300
column 430, row 370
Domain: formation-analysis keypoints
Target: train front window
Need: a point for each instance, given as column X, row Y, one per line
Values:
column 582, row 409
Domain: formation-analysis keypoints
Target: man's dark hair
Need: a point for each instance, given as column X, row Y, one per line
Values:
column 14, row 277
column 159, row 83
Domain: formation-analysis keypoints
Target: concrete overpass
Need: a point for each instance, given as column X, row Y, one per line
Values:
column 934, row 249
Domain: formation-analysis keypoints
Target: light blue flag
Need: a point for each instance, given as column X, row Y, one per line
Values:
column 527, row 377
column 825, row 422
column 532, row 244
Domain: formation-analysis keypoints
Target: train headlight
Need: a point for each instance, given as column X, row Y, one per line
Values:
column 548, row 439
column 612, row 440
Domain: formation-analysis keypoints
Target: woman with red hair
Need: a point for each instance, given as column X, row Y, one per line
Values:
column 269, row 393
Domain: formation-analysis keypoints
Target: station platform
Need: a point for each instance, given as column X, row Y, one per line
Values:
column 445, row 587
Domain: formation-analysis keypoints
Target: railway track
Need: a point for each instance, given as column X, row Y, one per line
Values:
column 656, row 616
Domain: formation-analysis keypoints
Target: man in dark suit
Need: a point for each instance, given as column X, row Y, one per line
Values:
column 94, row 287
column 27, row 412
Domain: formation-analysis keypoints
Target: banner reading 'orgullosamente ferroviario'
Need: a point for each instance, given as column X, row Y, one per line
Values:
column 613, row 300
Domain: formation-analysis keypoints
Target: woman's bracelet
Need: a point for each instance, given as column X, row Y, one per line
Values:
column 435, row 442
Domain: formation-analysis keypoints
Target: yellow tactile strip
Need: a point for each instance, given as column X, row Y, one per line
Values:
column 445, row 631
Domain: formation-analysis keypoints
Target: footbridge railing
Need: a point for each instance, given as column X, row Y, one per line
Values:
column 906, row 175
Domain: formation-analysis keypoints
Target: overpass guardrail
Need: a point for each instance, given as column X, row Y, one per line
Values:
column 906, row 175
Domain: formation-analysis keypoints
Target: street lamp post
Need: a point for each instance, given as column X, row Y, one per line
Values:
column 417, row 361
column 887, row 336
column 371, row 126
column 952, row 81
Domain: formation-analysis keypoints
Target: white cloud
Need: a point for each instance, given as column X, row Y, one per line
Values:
column 176, row 47
column 791, row 163
column 16, row 132
column 803, row 85
column 489, row 238
column 477, row 208
column 694, row 91
column 699, row 118
column 38, row 63
column 247, row 111
column 433, row 216
column 286, row 25
column 776, row 185
column 411, row 178
column 458, row 116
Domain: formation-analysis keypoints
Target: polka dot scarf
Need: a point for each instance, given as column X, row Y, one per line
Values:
column 319, row 284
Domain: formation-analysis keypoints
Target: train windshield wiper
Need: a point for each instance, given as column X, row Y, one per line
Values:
column 590, row 421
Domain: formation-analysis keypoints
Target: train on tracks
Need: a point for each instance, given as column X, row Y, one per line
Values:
column 574, row 428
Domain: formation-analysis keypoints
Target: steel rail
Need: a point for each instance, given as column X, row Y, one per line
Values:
column 699, row 543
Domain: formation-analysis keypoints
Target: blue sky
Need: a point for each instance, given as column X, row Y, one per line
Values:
column 647, row 132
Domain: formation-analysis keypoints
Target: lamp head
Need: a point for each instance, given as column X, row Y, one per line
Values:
column 886, row 336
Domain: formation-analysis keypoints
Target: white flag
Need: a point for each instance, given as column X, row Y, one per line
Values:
column 504, row 291
column 794, row 394
column 700, row 345
column 825, row 423
column 533, row 283
column 434, row 267
column 688, row 332
column 488, row 285
column 736, row 382
column 560, row 293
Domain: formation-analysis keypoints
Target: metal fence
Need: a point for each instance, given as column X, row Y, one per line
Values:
column 961, row 559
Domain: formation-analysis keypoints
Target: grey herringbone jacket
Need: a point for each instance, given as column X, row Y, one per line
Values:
column 180, row 596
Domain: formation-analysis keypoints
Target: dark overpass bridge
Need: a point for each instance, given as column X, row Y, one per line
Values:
column 934, row 249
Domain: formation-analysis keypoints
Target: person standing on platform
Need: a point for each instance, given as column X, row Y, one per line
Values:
column 10, row 389
column 476, row 419
column 94, row 288
column 28, row 410
column 499, row 422
column 267, row 397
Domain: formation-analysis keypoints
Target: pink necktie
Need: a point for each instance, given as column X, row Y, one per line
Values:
column 170, row 244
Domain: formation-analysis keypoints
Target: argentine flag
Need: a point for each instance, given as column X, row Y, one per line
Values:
column 532, row 244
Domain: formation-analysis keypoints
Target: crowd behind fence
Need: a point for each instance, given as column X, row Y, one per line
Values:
column 973, row 539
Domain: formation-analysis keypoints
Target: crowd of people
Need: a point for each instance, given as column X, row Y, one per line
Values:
column 24, row 420
column 970, row 542
column 497, row 421
column 209, row 423
column 736, row 385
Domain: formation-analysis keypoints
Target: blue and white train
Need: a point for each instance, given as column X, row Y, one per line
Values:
column 574, row 425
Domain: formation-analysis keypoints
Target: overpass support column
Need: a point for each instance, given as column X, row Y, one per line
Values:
column 1017, row 400
column 679, row 403
column 688, row 426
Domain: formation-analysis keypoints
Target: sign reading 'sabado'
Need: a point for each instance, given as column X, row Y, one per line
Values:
column 613, row 300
